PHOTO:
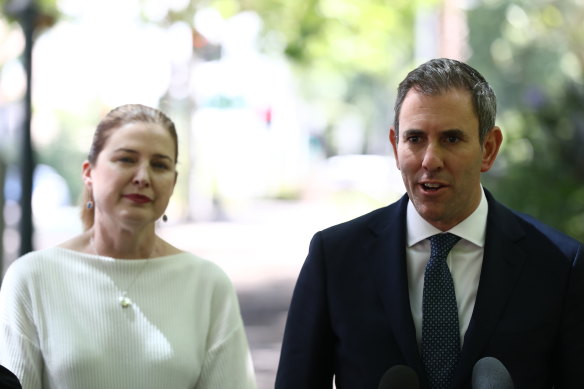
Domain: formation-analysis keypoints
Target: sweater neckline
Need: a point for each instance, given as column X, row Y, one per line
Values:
column 127, row 260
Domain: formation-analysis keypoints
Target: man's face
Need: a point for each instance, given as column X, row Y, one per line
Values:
column 440, row 157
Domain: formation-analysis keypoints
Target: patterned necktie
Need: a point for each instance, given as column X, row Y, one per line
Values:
column 440, row 331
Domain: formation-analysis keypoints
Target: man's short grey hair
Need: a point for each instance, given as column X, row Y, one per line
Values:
column 440, row 75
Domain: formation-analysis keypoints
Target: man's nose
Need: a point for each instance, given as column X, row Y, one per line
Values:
column 433, row 158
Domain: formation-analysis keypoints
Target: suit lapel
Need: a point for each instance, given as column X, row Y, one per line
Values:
column 502, row 263
column 388, row 254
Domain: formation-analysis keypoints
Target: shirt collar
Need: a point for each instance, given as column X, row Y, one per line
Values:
column 472, row 229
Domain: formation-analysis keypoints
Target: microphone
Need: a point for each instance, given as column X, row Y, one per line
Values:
column 489, row 373
column 399, row 377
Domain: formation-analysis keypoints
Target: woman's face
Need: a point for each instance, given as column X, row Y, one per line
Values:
column 134, row 175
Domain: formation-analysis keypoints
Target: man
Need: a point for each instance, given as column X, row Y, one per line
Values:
column 513, row 289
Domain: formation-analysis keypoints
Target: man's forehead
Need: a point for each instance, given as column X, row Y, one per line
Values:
column 434, row 93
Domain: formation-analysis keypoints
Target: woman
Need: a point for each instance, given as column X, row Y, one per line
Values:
column 117, row 306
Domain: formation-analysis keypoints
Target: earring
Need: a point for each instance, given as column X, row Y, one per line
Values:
column 89, row 204
column 164, row 218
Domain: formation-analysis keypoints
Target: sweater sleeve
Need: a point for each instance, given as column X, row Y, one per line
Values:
column 227, row 363
column 19, row 345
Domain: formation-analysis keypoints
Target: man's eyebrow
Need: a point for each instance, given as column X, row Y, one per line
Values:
column 454, row 132
column 412, row 132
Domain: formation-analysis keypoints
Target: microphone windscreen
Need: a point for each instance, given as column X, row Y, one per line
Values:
column 399, row 377
column 490, row 373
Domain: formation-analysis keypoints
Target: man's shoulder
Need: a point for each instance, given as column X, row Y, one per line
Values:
column 563, row 241
column 538, row 231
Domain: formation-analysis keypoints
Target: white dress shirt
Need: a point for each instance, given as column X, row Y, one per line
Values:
column 465, row 261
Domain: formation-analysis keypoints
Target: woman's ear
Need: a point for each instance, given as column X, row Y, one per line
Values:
column 86, row 174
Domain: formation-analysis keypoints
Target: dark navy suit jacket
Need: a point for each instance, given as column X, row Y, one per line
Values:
column 350, row 313
column 8, row 380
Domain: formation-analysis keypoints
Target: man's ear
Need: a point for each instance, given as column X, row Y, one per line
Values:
column 393, row 140
column 491, row 146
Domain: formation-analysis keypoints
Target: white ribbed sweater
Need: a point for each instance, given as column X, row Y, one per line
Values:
column 62, row 326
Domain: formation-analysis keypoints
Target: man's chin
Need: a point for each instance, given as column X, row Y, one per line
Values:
column 435, row 215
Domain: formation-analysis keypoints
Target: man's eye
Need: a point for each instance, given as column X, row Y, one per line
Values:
column 453, row 139
column 413, row 139
column 126, row 159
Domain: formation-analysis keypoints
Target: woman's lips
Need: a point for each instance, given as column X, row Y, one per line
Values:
column 137, row 198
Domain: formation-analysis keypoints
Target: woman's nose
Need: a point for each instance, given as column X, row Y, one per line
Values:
column 142, row 177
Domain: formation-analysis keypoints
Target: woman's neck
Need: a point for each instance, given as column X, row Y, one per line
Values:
column 123, row 243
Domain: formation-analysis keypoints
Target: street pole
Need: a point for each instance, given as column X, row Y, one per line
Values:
column 26, row 14
column 28, row 163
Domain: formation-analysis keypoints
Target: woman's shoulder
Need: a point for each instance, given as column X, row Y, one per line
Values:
column 204, row 270
column 194, row 261
column 32, row 266
column 37, row 257
column 168, row 249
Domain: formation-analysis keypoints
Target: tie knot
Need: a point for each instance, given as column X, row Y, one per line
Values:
column 441, row 244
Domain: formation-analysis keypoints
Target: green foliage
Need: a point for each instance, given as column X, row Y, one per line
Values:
column 531, row 52
column 347, row 56
column 46, row 9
